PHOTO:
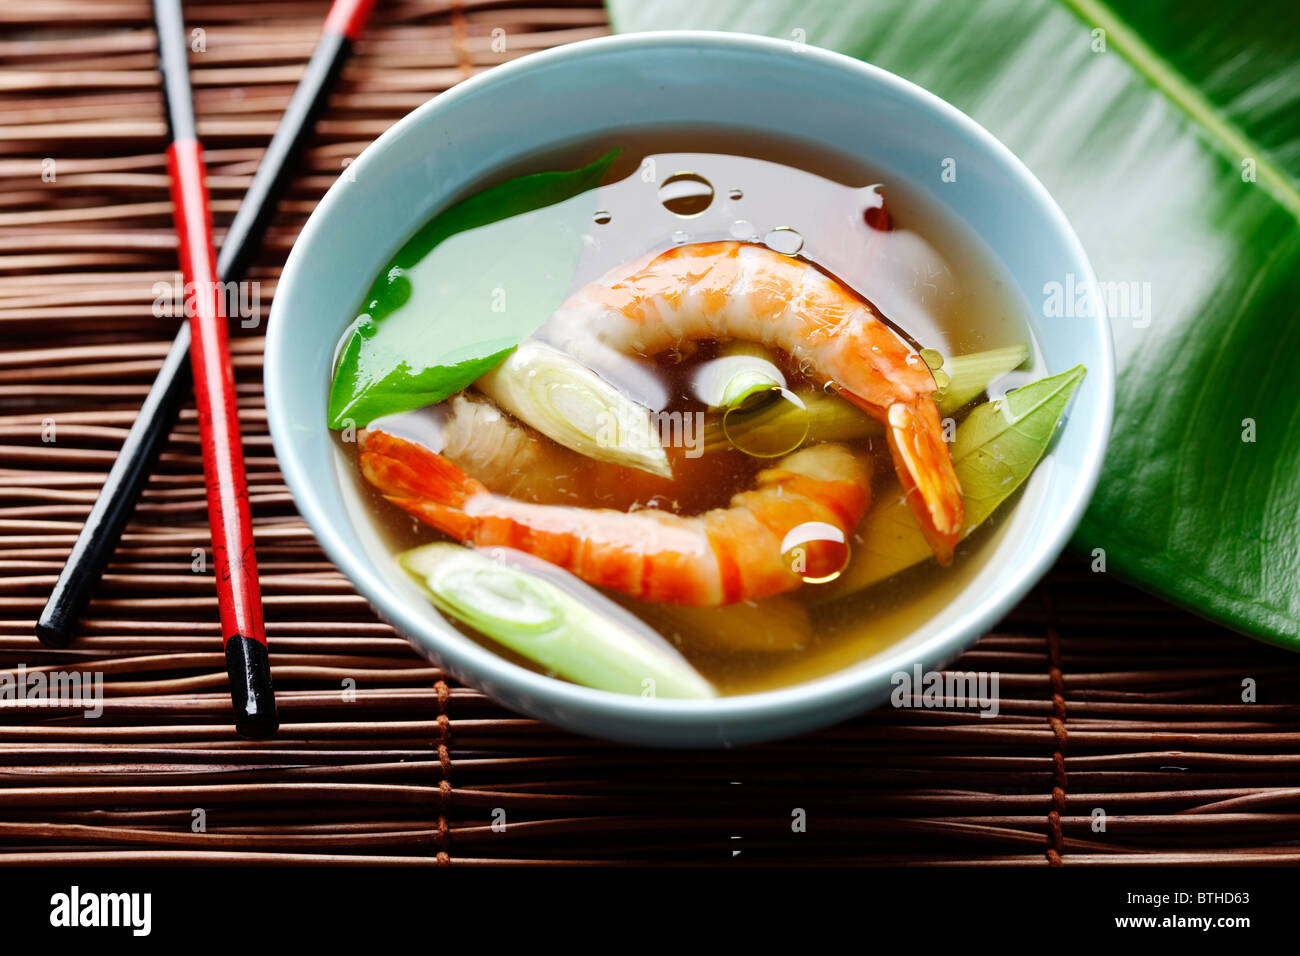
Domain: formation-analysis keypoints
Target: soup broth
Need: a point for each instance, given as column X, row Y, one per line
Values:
column 926, row 274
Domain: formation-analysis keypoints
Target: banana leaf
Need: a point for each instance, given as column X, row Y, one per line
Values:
column 1170, row 134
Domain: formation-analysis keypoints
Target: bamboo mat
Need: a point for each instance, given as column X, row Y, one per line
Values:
column 1112, row 703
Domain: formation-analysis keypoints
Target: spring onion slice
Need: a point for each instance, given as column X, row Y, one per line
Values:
column 741, row 373
column 969, row 375
column 552, row 618
column 569, row 403
column 827, row 417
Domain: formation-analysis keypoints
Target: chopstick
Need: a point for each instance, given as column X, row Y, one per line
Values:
column 234, row 561
column 57, row 624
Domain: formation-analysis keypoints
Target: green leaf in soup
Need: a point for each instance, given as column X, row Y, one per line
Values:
column 475, row 281
column 997, row 447
column 401, row 389
column 1169, row 131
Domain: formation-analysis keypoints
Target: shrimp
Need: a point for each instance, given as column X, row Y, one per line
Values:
column 512, row 459
column 719, row 557
column 734, row 290
column 507, row 456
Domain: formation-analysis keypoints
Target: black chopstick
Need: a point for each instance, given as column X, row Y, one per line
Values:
column 57, row 624
column 234, row 561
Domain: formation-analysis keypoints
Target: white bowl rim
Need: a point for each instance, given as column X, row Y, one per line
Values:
column 817, row 694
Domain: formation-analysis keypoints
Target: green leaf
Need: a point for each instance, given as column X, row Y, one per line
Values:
column 475, row 281
column 997, row 446
column 401, row 389
column 1175, row 152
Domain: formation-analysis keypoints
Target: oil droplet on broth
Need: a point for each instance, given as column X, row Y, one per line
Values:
column 680, row 237
column 773, row 425
column 932, row 358
column 816, row 551
column 735, row 194
column 784, row 240
column 601, row 217
column 744, row 230
column 686, row 194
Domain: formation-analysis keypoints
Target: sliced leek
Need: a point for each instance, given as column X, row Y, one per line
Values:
column 568, row 402
column 742, row 372
column 555, row 620
column 812, row 416
column 968, row 375
column 827, row 417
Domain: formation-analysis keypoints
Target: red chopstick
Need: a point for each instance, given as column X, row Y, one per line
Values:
column 57, row 624
column 234, row 561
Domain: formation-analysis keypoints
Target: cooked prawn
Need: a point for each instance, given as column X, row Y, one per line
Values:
column 510, row 458
column 734, row 290
column 718, row 557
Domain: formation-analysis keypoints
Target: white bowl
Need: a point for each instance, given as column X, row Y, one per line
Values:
column 575, row 93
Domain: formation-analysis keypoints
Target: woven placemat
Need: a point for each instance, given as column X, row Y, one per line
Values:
column 1128, row 732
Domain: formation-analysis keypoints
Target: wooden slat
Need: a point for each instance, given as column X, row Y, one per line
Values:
column 1110, row 700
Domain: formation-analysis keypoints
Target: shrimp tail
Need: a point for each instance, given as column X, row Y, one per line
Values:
column 924, row 468
column 420, row 481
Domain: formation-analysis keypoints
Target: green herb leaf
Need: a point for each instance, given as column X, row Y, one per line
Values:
column 997, row 447
column 401, row 389
column 474, row 282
